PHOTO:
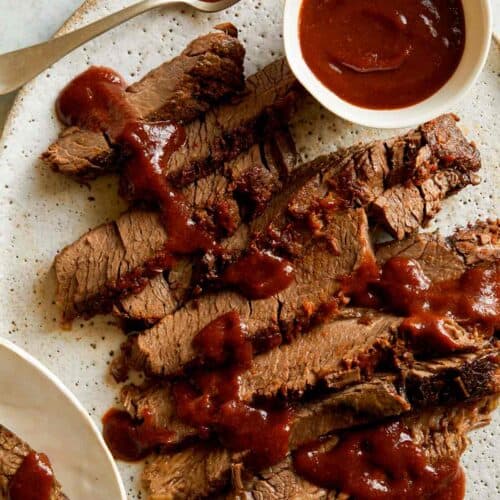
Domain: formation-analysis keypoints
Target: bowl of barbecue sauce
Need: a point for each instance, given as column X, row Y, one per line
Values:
column 387, row 63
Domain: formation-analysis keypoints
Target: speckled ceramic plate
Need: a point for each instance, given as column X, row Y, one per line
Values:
column 36, row 406
column 40, row 211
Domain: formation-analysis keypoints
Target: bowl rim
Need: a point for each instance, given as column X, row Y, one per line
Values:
column 378, row 118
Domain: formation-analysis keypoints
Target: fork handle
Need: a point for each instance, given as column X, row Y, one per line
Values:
column 21, row 66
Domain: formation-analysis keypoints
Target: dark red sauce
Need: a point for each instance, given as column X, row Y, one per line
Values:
column 382, row 54
column 33, row 479
column 95, row 100
column 225, row 338
column 210, row 400
column 129, row 439
column 149, row 147
column 379, row 463
column 401, row 286
column 259, row 274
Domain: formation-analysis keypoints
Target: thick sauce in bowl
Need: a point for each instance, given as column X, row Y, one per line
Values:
column 382, row 54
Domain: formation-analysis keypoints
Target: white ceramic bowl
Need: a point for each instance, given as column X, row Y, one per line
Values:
column 478, row 31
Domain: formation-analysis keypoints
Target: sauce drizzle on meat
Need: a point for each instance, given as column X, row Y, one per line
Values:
column 33, row 479
column 381, row 463
column 259, row 274
column 95, row 100
column 401, row 286
column 149, row 146
column 382, row 54
column 209, row 401
column 130, row 439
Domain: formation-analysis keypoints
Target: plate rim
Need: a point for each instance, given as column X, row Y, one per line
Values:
column 71, row 398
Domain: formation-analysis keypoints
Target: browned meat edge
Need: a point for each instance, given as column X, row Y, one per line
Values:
column 208, row 70
column 363, row 174
column 12, row 453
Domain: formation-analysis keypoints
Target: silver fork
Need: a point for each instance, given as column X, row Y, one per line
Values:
column 20, row 66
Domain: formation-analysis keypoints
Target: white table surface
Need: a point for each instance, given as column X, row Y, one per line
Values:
column 25, row 22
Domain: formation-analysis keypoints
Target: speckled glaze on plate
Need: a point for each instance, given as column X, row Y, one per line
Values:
column 42, row 412
column 41, row 212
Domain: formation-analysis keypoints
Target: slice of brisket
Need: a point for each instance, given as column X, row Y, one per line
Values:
column 208, row 70
column 13, row 450
column 230, row 128
column 441, row 432
column 411, row 175
column 447, row 380
column 116, row 259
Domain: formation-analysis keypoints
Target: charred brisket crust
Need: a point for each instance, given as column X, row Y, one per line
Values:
column 468, row 382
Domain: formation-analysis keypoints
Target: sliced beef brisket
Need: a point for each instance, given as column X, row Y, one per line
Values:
column 167, row 347
column 209, row 69
column 441, row 432
column 236, row 201
column 361, row 175
column 446, row 380
column 13, row 451
column 116, row 259
column 358, row 405
column 230, row 128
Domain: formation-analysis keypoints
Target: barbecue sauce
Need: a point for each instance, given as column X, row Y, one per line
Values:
column 95, row 100
column 33, row 480
column 132, row 439
column 149, row 146
column 382, row 54
column 401, row 286
column 379, row 463
column 210, row 400
column 259, row 274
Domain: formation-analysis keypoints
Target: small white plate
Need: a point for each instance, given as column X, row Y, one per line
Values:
column 478, row 31
column 35, row 405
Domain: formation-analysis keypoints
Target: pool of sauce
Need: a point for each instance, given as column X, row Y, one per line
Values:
column 33, row 480
column 132, row 439
column 379, row 463
column 382, row 54
column 401, row 286
column 259, row 274
column 210, row 400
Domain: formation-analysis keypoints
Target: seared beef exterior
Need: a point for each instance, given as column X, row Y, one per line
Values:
column 209, row 69
column 441, row 432
column 12, row 453
column 115, row 259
